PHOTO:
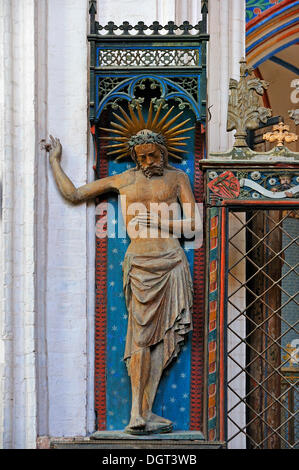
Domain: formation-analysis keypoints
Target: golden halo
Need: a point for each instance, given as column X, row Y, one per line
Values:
column 128, row 127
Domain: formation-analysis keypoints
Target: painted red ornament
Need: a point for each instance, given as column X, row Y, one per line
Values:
column 225, row 185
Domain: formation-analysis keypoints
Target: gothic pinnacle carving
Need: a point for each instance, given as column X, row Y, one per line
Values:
column 244, row 110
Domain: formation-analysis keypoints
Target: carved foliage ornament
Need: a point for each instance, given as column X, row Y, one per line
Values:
column 244, row 110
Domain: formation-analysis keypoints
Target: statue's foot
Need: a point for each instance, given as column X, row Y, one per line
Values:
column 153, row 418
column 137, row 423
column 158, row 428
column 150, row 428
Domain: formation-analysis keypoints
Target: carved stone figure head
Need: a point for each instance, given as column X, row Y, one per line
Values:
column 149, row 152
column 285, row 181
column 149, row 159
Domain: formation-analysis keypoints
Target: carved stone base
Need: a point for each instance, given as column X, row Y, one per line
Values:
column 120, row 440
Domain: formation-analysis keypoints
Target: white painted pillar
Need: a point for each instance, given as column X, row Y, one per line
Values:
column 41, row 209
column 187, row 10
column 237, row 351
column 135, row 10
column 165, row 11
column 47, row 246
column 225, row 49
column 68, row 230
column 18, row 174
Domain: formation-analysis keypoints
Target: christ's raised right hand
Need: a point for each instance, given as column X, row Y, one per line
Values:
column 56, row 150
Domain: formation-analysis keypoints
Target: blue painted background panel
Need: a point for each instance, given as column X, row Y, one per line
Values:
column 172, row 400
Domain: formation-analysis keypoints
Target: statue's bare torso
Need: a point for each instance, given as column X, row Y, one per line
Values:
column 140, row 190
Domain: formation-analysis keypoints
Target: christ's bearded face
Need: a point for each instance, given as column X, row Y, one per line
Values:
column 149, row 159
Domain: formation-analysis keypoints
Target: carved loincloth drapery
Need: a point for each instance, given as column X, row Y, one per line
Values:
column 158, row 292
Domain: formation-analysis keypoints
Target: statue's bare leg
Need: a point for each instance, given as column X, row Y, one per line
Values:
column 139, row 374
column 152, row 386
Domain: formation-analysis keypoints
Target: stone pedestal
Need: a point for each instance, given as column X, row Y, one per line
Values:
column 120, row 440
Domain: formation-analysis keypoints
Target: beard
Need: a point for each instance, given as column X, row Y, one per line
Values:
column 153, row 170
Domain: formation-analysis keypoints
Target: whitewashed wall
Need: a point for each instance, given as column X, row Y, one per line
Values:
column 67, row 249
column 47, row 245
column 45, row 342
column 226, row 47
column 18, row 137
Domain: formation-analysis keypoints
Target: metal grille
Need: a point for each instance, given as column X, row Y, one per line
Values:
column 262, row 326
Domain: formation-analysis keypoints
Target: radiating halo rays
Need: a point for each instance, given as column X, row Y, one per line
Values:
column 128, row 126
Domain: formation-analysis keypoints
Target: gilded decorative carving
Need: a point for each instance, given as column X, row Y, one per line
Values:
column 280, row 134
